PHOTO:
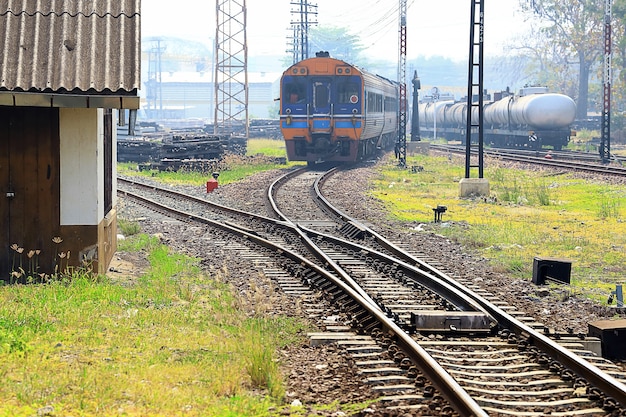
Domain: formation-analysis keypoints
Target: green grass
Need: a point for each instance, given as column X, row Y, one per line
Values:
column 175, row 342
column 269, row 147
column 527, row 214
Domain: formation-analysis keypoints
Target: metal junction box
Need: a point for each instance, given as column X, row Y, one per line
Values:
column 551, row 269
column 612, row 333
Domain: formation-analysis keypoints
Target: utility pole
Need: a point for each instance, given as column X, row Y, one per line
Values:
column 305, row 13
column 401, row 143
column 605, row 142
column 154, row 95
column 415, row 116
column 231, row 68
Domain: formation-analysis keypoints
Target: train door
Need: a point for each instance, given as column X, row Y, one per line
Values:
column 321, row 107
column 29, row 186
column 321, row 97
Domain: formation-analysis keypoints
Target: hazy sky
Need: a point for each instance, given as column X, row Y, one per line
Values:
column 433, row 27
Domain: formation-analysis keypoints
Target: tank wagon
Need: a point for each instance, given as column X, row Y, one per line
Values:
column 532, row 119
column 333, row 111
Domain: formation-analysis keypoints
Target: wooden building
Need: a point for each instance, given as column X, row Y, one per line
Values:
column 66, row 66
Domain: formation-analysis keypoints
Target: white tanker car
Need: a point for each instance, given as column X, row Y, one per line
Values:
column 533, row 119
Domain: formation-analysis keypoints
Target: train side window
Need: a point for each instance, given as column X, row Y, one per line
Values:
column 321, row 95
column 374, row 102
column 390, row 104
column 347, row 90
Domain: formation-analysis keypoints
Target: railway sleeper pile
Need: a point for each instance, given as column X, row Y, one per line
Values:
column 179, row 146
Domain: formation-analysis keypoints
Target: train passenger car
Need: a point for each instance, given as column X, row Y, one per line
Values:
column 531, row 119
column 333, row 111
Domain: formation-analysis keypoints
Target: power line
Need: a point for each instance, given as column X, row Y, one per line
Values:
column 305, row 16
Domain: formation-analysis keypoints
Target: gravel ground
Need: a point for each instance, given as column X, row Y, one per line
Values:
column 324, row 374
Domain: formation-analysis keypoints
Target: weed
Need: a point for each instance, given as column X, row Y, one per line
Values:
column 128, row 227
column 92, row 347
column 609, row 206
column 542, row 192
column 12, row 341
column 138, row 242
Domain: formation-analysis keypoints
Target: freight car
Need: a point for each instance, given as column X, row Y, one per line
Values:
column 532, row 119
column 333, row 111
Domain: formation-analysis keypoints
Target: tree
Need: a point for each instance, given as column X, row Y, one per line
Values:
column 619, row 62
column 575, row 28
column 337, row 41
column 536, row 60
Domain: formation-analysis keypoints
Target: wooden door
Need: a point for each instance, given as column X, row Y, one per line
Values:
column 29, row 189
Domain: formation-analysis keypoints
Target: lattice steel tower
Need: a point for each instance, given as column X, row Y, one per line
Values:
column 231, row 68
column 605, row 140
column 474, row 127
column 401, row 142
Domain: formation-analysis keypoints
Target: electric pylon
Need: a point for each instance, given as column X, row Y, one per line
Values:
column 231, row 68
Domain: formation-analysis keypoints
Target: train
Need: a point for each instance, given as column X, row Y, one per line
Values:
column 533, row 119
column 332, row 111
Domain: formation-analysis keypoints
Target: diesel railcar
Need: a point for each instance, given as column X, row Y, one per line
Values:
column 532, row 119
column 333, row 111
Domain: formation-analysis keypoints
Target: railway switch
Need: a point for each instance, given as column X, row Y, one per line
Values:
column 451, row 321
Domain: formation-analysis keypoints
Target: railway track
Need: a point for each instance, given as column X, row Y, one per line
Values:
column 424, row 339
column 565, row 160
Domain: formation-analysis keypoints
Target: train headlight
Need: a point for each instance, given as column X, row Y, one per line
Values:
column 354, row 111
column 288, row 120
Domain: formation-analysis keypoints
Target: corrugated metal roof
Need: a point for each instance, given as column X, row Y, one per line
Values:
column 77, row 46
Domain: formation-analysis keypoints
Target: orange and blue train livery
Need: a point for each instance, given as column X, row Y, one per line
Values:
column 334, row 111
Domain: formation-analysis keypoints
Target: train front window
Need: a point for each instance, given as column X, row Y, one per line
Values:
column 348, row 93
column 294, row 92
column 321, row 94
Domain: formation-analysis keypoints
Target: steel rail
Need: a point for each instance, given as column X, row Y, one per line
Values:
column 609, row 385
column 434, row 283
column 572, row 165
column 459, row 399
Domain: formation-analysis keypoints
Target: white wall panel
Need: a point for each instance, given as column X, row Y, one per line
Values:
column 82, row 166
